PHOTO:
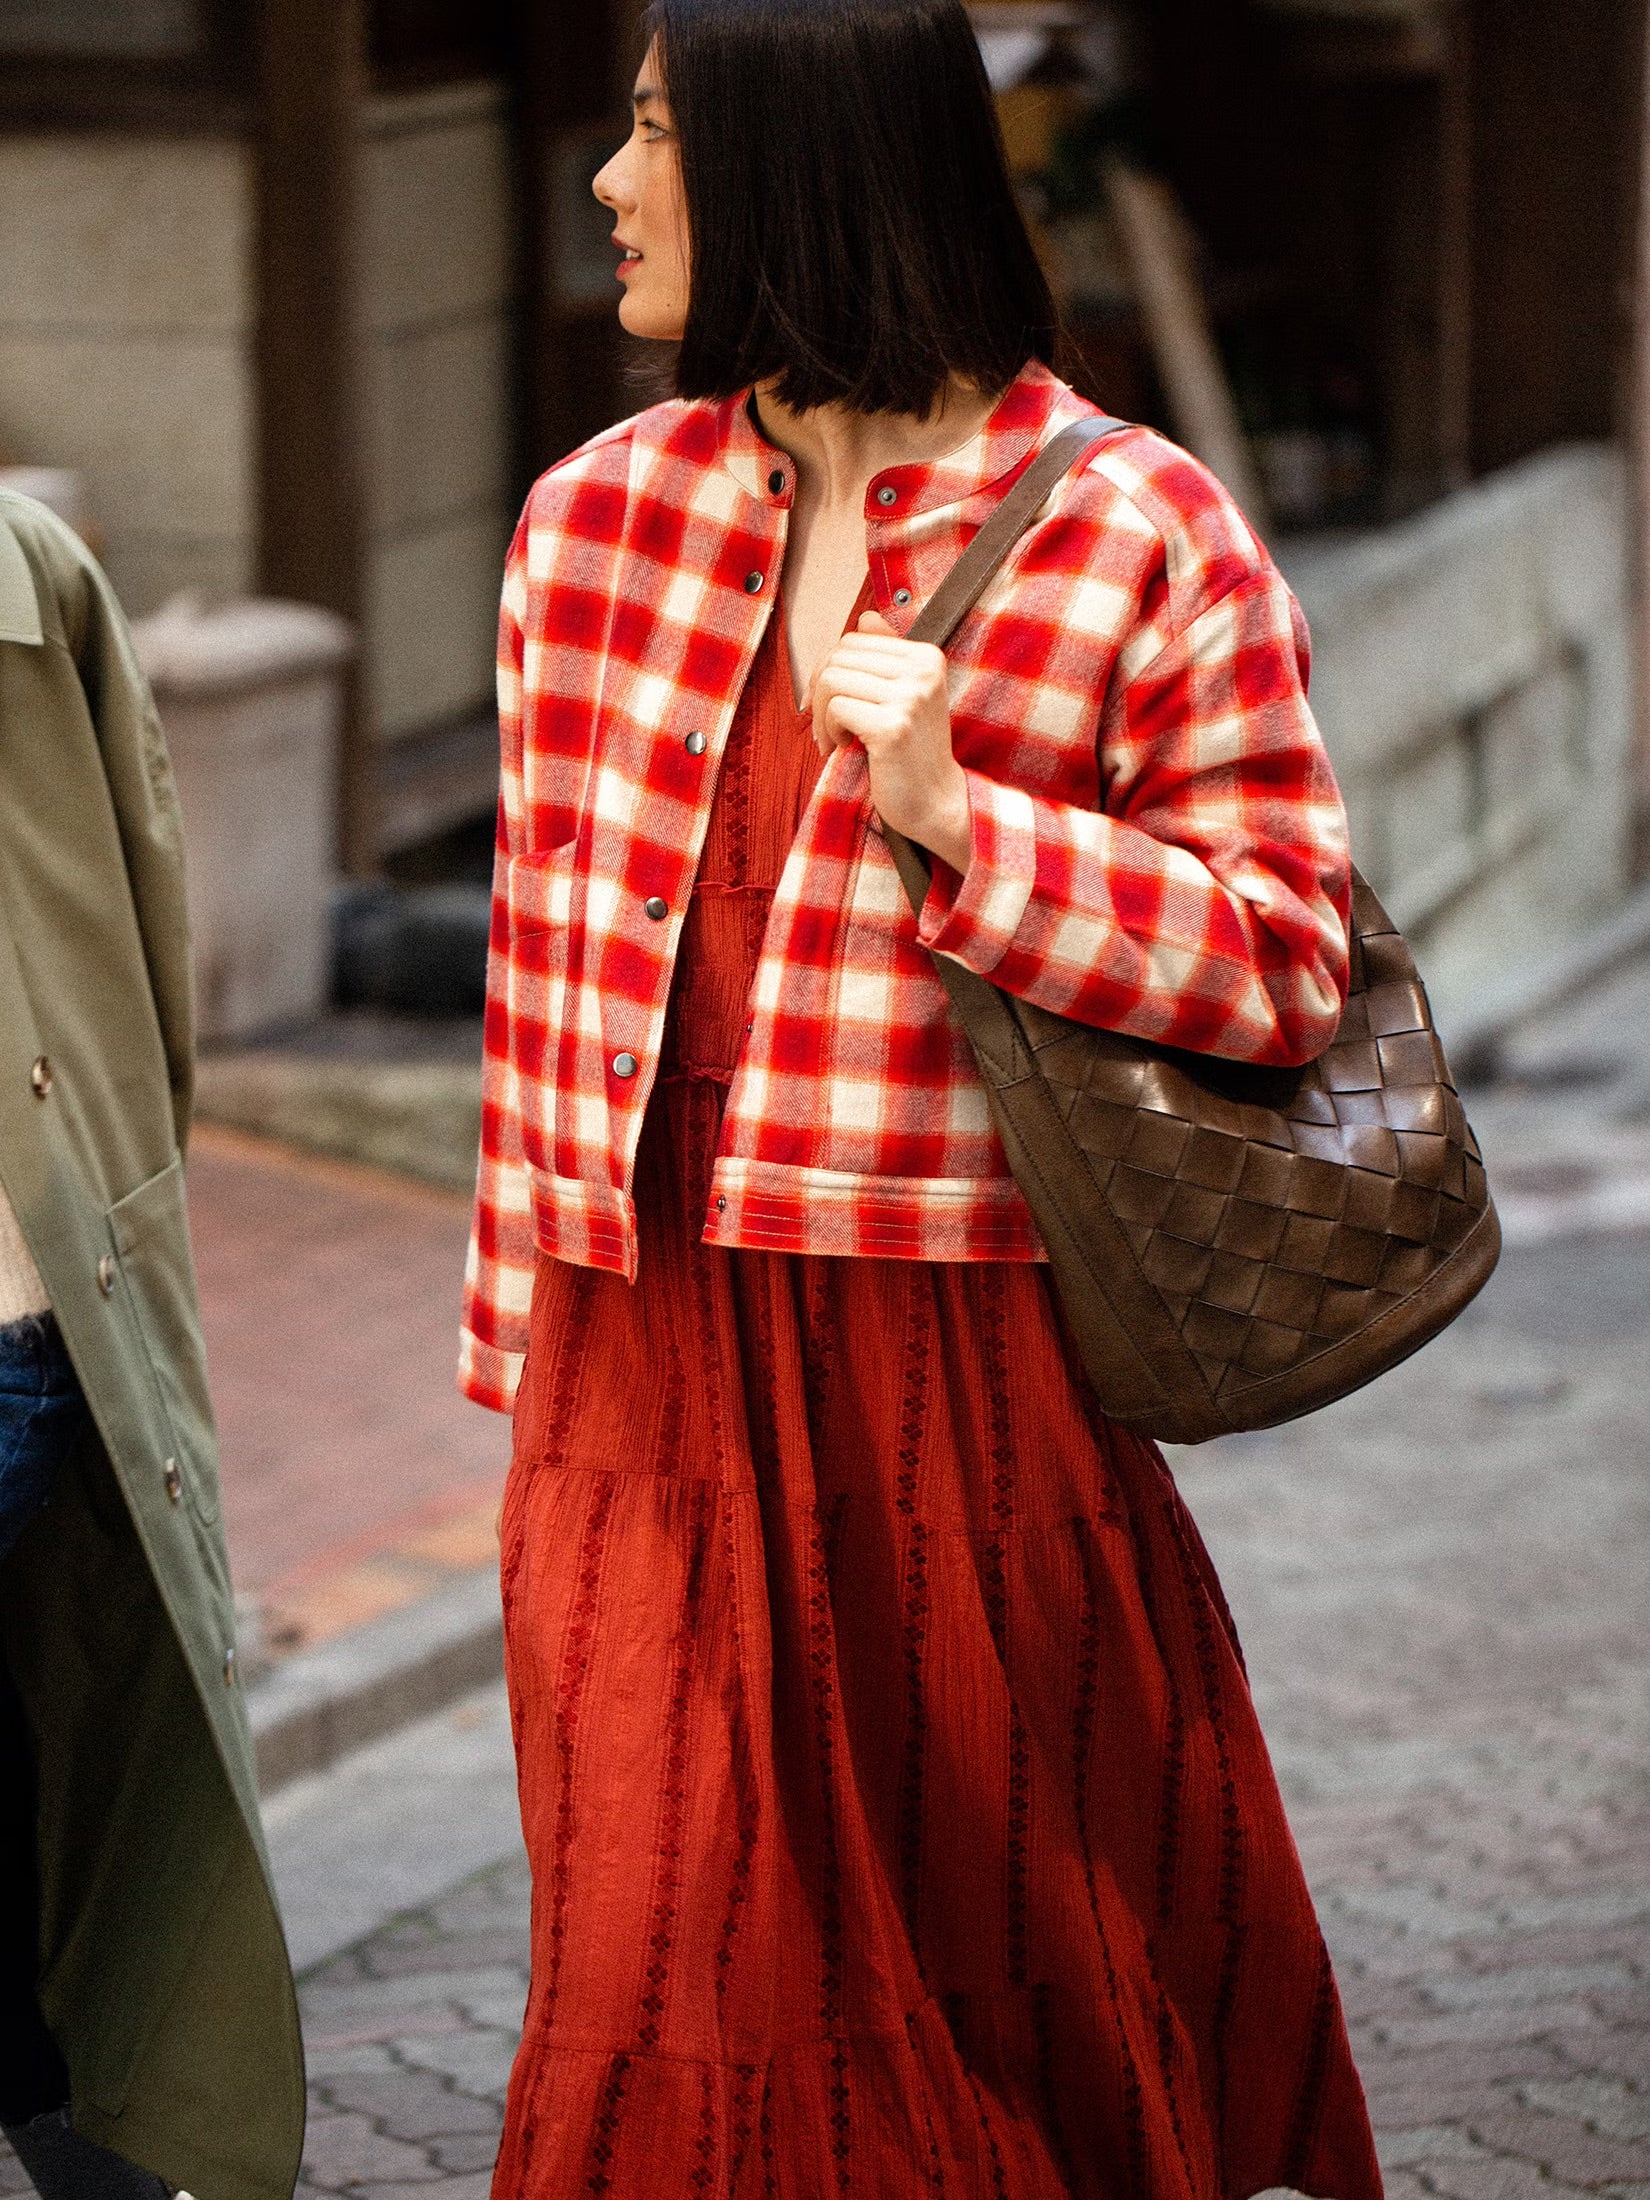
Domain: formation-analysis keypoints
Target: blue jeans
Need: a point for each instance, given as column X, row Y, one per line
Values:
column 41, row 1411
column 41, row 1414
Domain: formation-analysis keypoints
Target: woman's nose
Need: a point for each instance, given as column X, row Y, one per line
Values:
column 608, row 184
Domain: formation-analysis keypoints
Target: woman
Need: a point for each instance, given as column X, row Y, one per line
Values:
column 898, row 1816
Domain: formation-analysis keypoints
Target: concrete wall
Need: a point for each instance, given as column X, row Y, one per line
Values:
column 1472, row 672
column 126, row 319
column 127, row 325
column 436, row 265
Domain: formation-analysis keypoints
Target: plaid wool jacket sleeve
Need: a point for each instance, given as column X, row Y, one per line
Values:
column 498, row 1273
column 1205, row 904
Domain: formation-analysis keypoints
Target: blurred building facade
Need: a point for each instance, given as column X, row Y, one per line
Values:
column 309, row 290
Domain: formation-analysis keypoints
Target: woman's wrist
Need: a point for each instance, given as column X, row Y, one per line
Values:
column 944, row 827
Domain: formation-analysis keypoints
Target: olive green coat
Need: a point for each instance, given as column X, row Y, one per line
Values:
column 164, row 1972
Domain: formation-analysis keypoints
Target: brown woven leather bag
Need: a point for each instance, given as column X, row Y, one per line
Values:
column 1232, row 1246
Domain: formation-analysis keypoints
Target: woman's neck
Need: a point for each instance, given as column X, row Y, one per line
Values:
column 838, row 452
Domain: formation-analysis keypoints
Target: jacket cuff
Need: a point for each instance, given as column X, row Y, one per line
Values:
column 488, row 1375
column 974, row 918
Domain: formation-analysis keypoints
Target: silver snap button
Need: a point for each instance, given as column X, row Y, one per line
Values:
column 106, row 1275
column 721, row 1206
column 902, row 596
column 40, row 1077
column 229, row 1667
column 696, row 744
column 753, row 584
column 174, row 1480
column 625, row 1065
column 887, row 496
column 658, row 910
column 776, row 483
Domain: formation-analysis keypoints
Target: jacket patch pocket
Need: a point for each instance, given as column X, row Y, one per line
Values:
column 150, row 1228
column 538, row 891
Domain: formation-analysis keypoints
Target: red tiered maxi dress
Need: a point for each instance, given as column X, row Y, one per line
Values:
column 899, row 1821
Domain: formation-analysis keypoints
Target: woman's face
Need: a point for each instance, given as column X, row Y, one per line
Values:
column 642, row 184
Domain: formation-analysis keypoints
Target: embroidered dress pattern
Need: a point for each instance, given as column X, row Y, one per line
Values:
column 1157, row 842
column 899, row 1820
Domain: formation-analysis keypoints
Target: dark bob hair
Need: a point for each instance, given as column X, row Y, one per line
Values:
column 853, row 229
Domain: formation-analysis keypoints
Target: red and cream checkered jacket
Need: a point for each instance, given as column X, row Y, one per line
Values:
column 1158, row 844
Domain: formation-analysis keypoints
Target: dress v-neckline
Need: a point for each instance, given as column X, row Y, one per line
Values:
column 864, row 601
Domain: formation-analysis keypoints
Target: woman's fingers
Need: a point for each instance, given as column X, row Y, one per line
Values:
column 870, row 687
column 883, row 691
column 835, row 682
column 850, row 718
column 889, row 674
column 874, row 649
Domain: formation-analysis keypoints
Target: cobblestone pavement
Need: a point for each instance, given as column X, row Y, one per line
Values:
column 410, row 2039
column 1443, row 1587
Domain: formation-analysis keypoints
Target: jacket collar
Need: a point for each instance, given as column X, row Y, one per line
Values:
column 19, row 604
column 1010, row 435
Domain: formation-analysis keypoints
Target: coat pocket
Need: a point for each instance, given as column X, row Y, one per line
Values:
column 150, row 1228
column 539, row 892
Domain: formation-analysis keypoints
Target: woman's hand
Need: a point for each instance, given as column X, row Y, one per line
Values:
column 889, row 695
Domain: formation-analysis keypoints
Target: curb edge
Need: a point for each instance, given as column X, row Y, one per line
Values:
column 321, row 1704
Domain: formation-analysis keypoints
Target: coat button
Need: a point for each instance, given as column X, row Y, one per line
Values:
column 106, row 1272
column 886, row 495
column 753, row 584
column 174, row 1480
column 40, row 1077
column 658, row 910
column 776, row 484
column 696, row 744
column 902, row 596
column 721, row 1206
column 625, row 1065
column 229, row 1667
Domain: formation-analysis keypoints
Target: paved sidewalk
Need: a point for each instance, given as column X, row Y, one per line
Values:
column 410, row 2040
column 1443, row 1587
column 355, row 1478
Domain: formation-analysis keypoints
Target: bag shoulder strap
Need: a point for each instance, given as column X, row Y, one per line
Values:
column 966, row 582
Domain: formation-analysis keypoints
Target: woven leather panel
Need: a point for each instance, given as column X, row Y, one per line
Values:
column 1279, row 1211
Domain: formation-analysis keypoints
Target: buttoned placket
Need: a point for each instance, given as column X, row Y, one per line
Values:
column 888, row 506
column 632, row 1064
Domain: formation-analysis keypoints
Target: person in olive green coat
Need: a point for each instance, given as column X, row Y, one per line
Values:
column 159, row 1973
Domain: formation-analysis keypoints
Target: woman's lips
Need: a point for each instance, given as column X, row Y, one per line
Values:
column 628, row 264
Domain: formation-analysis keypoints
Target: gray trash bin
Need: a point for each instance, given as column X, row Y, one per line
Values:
column 250, row 695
